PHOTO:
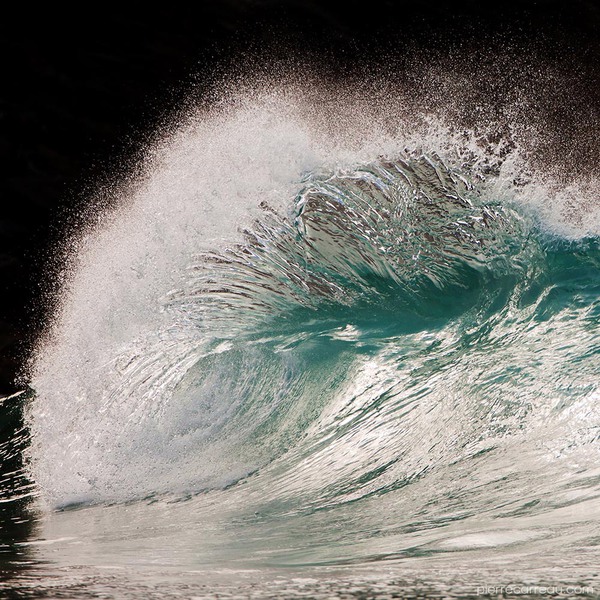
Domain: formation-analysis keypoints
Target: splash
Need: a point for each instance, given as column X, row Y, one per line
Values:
column 326, row 303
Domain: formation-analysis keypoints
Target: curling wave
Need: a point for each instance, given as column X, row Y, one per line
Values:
column 401, row 330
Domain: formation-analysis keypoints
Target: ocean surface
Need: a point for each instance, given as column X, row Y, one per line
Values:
column 309, row 350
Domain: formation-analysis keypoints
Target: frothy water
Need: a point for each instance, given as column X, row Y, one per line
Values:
column 285, row 347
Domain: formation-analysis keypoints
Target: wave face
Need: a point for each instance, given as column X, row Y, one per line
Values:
column 389, row 332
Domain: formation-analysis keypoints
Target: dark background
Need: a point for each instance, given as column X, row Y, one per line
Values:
column 80, row 91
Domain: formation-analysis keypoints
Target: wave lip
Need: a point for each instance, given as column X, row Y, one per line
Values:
column 391, row 234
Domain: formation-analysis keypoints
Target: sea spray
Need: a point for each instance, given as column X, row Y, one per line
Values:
column 384, row 330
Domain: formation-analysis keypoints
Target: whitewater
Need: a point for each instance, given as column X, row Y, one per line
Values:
column 312, row 339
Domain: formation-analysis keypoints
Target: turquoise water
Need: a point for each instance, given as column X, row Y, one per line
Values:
column 378, row 368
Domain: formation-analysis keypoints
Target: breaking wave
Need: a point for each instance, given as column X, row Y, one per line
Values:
column 391, row 324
